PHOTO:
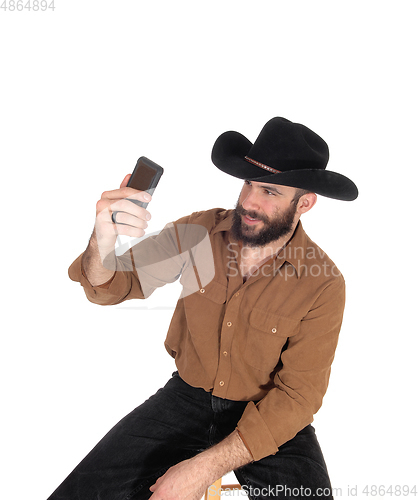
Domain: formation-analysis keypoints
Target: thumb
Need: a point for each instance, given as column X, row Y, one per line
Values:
column 125, row 181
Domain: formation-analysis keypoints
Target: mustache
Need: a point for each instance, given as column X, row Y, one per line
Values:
column 251, row 213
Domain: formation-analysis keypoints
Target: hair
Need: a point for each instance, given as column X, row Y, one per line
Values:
column 300, row 192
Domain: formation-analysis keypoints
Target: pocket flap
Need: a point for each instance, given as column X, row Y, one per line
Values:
column 273, row 324
column 214, row 291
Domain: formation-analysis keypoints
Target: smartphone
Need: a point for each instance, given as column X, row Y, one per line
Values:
column 145, row 177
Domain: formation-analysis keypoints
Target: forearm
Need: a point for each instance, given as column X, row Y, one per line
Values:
column 190, row 479
column 228, row 455
column 92, row 262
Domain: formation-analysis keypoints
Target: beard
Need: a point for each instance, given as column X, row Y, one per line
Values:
column 273, row 229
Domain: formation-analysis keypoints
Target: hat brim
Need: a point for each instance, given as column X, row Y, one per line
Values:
column 228, row 155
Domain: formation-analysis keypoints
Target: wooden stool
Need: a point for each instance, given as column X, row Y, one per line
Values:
column 214, row 491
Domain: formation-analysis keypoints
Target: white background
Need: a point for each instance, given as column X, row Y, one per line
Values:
column 87, row 89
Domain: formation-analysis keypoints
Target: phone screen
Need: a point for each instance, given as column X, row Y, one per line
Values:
column 141, row 179
column 145, row 177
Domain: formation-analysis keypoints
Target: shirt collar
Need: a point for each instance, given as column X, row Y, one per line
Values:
column 294, row 252
column 224, row 224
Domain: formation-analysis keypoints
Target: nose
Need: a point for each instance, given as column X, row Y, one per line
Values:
column 250, row 201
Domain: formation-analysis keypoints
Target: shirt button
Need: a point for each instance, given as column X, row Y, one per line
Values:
column 237, row 294
column 221, row 383
column 202, row 290
column 274, row 330
column 225, row 353
column 229, row 323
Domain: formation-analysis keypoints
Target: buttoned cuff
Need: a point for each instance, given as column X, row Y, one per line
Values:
column 111, row 292
column 255, row 433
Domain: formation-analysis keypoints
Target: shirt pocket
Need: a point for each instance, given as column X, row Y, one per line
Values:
column 267, row 334
column 204, row 310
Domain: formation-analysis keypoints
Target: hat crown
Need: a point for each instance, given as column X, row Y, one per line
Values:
column 285, row 153
column 284, row 145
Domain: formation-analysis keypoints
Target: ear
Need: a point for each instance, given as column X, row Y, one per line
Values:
column 306, row 202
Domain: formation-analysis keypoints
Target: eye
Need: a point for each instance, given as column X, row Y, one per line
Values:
column 269, row 192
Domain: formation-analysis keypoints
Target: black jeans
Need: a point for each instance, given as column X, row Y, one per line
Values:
column 175, row 424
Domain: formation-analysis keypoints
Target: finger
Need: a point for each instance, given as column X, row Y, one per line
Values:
column 125, row 192
column 125, row 230
column 154, row 486
column 127, row 206
column 125, row 181
column 142, row 196
column 128, row 219
column 157, row 483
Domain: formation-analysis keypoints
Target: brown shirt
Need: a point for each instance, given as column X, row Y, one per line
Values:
column 269, row 340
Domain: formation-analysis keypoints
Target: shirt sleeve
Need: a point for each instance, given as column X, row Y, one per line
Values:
column 152, row 263
column 302, row 380
column 123, row 285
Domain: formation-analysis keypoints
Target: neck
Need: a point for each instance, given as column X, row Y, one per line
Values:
column 251, row 258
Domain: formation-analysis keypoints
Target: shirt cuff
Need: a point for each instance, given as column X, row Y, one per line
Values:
column 255, row 433
column 111, row 292
column 103, row 285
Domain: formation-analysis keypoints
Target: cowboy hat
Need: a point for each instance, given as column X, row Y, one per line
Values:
column 284, row 153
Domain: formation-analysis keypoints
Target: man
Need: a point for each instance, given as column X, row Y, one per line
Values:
column 253, row 334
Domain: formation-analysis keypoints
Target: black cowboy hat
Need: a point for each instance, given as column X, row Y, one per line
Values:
column 284, row 153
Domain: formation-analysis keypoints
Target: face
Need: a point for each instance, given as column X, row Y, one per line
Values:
column 264, row 213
